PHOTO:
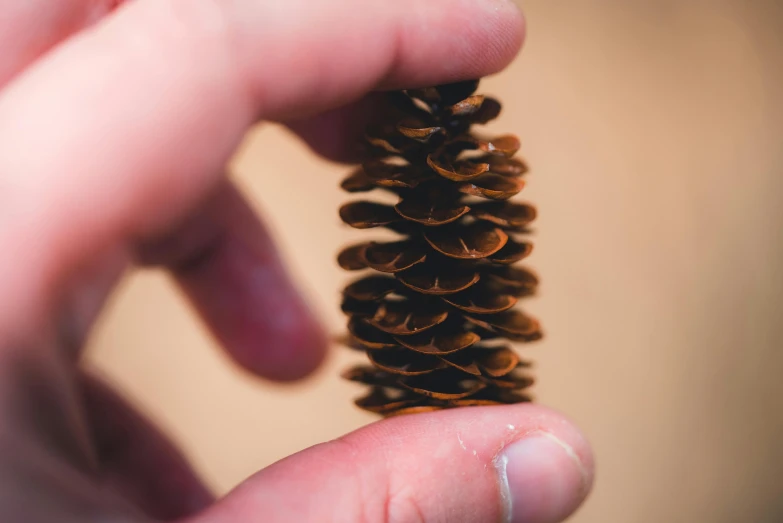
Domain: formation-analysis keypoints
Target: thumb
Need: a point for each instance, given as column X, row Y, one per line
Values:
column 473, row 465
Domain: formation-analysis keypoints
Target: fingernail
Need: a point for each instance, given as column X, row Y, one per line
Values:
column 542, row 479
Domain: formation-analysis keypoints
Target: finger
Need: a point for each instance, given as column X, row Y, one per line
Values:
column 136, row 459
column 29, row 29
column 334, row 134
column 516, row 463
column 151, row 104
column 226, row 263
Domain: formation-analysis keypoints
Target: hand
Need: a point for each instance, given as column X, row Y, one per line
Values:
column 114, row 130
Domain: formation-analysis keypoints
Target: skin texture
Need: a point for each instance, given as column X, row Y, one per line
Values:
column 115, row 124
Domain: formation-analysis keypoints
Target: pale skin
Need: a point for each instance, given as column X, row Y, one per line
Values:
column 115, row 125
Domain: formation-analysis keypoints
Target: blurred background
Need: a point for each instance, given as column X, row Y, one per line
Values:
column 655, row 135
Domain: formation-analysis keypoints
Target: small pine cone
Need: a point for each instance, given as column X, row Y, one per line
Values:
column 434, row 315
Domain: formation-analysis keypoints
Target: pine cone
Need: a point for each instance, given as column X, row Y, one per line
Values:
column 434, row 320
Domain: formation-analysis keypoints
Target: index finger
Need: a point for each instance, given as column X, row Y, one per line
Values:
column 121, row 131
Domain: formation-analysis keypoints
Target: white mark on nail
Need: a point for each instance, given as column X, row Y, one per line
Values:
column 461, row 443
column 511, row 427
column 501, row 463
column 571, row 453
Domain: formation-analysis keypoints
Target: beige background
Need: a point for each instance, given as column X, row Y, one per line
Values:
column 654, row 130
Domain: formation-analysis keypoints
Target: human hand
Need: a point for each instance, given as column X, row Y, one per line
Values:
column 114, row 130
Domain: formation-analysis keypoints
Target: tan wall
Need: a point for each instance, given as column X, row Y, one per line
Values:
column 655, row 133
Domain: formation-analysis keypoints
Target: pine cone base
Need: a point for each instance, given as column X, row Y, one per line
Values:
column 438, row 308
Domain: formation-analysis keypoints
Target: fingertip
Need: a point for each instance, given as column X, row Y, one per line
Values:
column 544, row 463
column 490, row 35
column 225, row 261
column 489, row 48
column 281, row 350
column 542, row 479
column 550, row 421
column 247, row 299
column 508, row 28
column 546, row 470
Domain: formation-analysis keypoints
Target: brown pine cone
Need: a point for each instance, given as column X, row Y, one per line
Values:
column 434, row 317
